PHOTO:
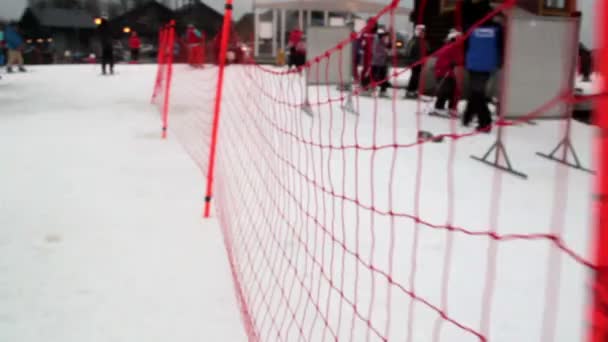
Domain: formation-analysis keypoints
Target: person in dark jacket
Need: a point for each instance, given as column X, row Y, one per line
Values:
column 483, row 57
column 380, row 60
column 585, row 62
column 417, row 47
column 295, row 55
column 107, row 50
column 447, row 89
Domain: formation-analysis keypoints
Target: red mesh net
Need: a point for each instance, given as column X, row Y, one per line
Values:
column 350, row 214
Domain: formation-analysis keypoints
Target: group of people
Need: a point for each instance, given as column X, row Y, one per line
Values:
column 480, row 54
column 12, row 41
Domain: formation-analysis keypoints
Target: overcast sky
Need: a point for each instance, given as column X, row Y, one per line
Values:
column 12, row 9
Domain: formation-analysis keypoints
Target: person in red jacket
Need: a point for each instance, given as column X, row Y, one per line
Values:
column 134, row 46
column 367, row 45
column 195, row 48
column 295, row 48
column 447, row 89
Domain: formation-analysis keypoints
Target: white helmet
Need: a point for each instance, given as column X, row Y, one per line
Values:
column 453, row 34
column 419, row 29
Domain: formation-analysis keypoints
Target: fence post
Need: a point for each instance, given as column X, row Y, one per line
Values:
column 598, row 329
column 169, row 60
column 160, row 60
column 218, row 104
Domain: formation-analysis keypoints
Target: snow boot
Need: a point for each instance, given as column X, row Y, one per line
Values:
column 411, row 95
column 484, row 128
column 22, row 68
column 439, row 112
column 9, row 69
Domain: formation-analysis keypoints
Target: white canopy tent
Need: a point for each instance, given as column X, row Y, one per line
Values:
column 326, row 6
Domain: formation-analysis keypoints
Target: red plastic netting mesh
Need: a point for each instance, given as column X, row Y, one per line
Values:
column 348, row 216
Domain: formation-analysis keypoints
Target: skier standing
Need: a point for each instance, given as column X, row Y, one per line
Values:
column 380, row 61
column 195, row 49
column 107, row 49
column 367, row 44
column 416, row 48
column 14, row 43
column 1, row 45
column 134, row 46
column 483, row 57
column 447, row 89
column 295, row 58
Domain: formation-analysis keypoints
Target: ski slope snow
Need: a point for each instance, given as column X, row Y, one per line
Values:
column 101, row 236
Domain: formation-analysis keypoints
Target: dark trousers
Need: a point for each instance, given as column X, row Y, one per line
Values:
column 380, row 74
column 134, row 55
column 296, row 58
column 412, row 86
column 446, row 92
column 477, row 104
column 107, row 59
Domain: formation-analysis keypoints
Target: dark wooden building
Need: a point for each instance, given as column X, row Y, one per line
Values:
column 203, row 17
column 52, row 31
column 145, row 20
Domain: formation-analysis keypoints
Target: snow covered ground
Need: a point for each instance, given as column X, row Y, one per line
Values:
column 101, row 237
column 328, row 202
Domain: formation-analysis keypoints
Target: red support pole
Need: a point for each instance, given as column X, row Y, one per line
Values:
column 599, row 315
column 169, row 52
column 218, row 104
column 160, row 61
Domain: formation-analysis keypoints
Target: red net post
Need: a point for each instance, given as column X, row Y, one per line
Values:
column 169, row 72
column 162, row 35
column 226, row 28
column 599, row 314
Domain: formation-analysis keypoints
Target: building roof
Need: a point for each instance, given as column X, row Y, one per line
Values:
column 62, row 17
column 353, row 6
column 138, row 11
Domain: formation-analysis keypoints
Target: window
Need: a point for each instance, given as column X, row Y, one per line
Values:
column 555, row 4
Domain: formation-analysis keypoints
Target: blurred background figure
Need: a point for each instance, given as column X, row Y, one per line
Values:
column 2, row 60
column 295, row 55
column 484, row 53
column 15, row 45
column 194, row 40
column 367, row 44
column 134, row 47
column 107, row 50
column 447, row 90
column 416, row 48
column 380, row 60
column 585, row 62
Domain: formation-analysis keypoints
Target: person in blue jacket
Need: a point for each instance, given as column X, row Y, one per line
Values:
column 483, row 57
column 15, row 44
column 1, row 45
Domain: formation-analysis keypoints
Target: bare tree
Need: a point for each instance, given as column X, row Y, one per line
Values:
column 92, row 6
column 114, row 9
column 38, row 4
column 124, row 5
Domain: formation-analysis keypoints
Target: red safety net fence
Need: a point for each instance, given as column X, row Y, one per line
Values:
column 351, row 215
